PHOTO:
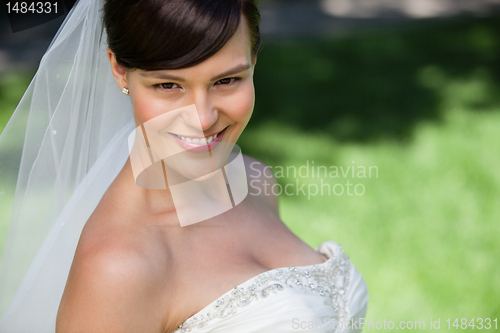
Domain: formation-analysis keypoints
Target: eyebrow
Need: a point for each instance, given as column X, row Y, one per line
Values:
column 166, row 76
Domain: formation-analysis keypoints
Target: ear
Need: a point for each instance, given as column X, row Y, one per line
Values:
column 118, row 72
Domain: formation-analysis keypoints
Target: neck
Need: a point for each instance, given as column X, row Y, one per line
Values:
column 157, row 202
column 188, row 200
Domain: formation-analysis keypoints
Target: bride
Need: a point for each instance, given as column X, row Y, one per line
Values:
column 115, row 255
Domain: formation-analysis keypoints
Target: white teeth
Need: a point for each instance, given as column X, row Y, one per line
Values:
column 199, row 141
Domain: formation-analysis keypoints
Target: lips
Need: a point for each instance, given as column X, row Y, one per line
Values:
column 197, row 145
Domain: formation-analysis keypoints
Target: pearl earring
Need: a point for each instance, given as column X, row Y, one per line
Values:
column 125, row 91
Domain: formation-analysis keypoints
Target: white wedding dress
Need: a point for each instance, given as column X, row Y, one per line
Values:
column 327, row 297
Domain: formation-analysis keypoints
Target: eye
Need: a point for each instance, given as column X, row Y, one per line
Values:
column 228, row 81
column 167, row 86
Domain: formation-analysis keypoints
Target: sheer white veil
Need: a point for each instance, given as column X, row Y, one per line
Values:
column 63, row 146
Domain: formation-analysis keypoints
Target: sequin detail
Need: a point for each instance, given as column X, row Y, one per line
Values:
column 328, row 279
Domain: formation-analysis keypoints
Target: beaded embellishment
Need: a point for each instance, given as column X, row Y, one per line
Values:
column 328, row 279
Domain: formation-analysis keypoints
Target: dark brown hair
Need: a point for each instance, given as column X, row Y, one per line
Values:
column 174, row 34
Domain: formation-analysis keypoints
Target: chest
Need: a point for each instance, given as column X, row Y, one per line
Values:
column 211, row 259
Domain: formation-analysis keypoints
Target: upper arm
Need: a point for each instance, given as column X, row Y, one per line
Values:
column 109, row 291
column 261, row 182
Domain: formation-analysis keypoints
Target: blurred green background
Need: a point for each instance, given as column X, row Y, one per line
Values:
column 421, row 103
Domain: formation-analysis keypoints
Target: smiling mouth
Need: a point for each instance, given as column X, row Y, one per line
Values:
column 200, row 141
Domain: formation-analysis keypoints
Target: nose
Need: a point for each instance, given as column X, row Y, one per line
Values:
column 207, row 112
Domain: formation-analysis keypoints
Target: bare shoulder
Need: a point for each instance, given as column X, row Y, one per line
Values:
column 261, row 181
column 110, row 288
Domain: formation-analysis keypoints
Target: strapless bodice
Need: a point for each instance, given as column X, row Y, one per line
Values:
column 326, row 297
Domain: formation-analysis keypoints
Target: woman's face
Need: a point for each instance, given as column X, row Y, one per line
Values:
column 220, row 89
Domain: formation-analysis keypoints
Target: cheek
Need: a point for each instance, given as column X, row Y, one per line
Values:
column 241, row 106
column 145, row 108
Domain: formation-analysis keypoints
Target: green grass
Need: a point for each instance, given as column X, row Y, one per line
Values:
column 421, row 104
column 425, row 232
column 12, row 87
